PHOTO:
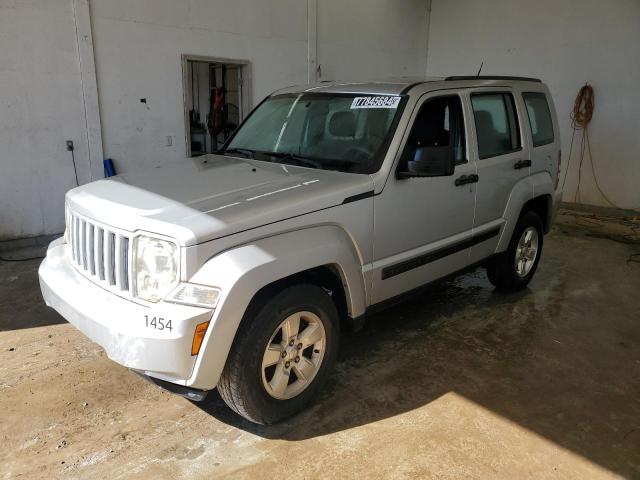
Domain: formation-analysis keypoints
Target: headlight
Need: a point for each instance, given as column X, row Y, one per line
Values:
column 155, row 265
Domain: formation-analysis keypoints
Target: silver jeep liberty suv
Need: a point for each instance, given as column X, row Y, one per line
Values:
column 237, row 270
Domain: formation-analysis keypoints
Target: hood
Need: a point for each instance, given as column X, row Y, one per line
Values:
column 209, row 197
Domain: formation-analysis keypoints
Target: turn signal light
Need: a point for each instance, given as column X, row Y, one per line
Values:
column 196, row 295
column 198, row 337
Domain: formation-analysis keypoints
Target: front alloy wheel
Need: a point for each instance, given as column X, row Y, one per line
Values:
column 293, row 355
column 283, row 353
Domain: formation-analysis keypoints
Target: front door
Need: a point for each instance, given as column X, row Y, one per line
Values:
column 423, row 225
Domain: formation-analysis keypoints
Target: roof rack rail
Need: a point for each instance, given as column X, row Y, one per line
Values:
column 491, row 77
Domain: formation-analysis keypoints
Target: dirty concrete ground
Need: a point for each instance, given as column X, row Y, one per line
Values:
column 458, row 382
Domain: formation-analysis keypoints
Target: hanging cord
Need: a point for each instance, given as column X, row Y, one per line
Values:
column 581, row 116
column 75, row 169
column 582, row 108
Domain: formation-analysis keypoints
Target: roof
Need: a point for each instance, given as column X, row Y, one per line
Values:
column 391, row 86
column 400, row 85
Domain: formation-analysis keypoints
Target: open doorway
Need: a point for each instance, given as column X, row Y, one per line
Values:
column 214, row 101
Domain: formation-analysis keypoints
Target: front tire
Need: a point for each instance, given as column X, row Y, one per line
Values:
column 513, row 270
column 282, row 355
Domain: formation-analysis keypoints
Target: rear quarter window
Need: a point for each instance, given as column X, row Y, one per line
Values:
column 539, row 118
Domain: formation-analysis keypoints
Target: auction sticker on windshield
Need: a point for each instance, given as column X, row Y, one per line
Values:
column 375, row 102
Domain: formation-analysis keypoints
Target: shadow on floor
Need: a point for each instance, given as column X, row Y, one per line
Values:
column 557, row 360
column 561, row 359
column 21, row 303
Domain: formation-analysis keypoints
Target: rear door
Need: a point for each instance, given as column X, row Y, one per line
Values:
column 544, row 147
column 502, row 155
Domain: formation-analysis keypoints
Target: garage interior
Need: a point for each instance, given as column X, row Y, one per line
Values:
column 212, row 102
column 456, row 382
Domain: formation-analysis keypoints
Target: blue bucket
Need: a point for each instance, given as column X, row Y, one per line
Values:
column 109, row 169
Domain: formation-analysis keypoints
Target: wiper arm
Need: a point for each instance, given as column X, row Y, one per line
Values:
column 247, row 152
column 307, row 162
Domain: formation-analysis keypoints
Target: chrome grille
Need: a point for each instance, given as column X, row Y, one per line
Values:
column 99, row 252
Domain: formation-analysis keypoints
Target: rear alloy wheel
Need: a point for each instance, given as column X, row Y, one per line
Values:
column 526, row 251
column 513, row 270
column 282, row 355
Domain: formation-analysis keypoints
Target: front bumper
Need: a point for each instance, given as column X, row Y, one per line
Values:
column 121, row 326
column 193, row 394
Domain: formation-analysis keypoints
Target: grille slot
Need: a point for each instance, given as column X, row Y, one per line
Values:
column 100, row 253
column 92, row 248
column 111, row 258
column 100, row 256
column 125, row 263
column 83, row 243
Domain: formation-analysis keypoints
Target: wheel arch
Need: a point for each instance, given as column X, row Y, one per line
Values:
column 531, row 193
column 323, row 255
column 329, row 277
column 542, row 206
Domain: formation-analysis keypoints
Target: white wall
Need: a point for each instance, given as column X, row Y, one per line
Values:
column 137, row 46
column 371, row 39
column 566, row 43
column 40, row 107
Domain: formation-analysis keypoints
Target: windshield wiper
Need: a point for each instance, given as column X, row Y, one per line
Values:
column 247, row 152
column 302, row 161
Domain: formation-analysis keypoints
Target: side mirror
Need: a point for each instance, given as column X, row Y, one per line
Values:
column 430, row 162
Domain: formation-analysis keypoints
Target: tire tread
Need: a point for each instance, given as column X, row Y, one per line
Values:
column 233, row 389
column 501, row 271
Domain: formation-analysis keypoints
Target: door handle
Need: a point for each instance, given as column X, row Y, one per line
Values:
column 522, row 164
column 464, row 179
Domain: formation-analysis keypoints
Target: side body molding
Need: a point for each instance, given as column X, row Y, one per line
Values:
column 242, row 271
column 523, row 191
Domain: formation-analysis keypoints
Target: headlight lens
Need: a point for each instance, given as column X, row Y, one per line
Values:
column 155, row 267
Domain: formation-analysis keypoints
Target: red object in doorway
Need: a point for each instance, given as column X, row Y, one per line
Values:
column 216, row 123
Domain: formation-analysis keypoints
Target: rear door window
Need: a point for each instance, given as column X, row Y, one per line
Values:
column 539, row 118
column 497, row 128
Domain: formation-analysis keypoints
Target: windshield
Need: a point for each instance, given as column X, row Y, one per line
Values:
column 344, row 132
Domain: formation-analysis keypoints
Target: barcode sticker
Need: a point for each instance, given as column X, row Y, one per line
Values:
column 375, row 102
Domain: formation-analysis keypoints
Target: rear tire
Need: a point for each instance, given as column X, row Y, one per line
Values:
column 283, row 353
column 513, row 269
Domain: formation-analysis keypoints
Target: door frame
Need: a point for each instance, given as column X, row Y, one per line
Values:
column 375, row 271
column 507, row 159
column 244, row 86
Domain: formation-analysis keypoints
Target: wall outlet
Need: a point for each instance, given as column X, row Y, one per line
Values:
column 70, row 145
column 169, row 140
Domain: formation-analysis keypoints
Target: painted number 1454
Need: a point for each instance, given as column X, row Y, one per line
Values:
column 157, row 323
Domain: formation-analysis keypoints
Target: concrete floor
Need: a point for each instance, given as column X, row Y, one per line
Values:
column 458, row 383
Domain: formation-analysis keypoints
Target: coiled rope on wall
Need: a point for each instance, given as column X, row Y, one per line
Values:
column 581, row 116
column 582, row 108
